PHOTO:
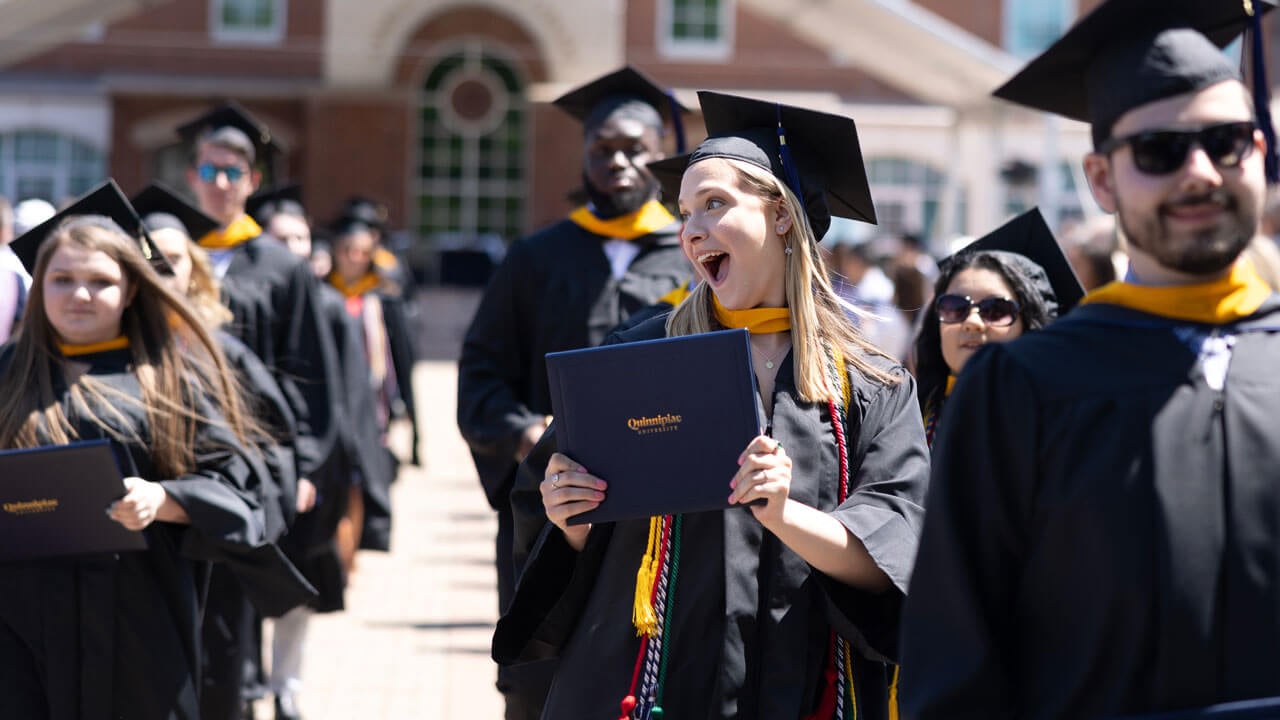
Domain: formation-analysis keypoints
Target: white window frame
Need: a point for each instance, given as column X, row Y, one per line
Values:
column 58, row 170
column 464, row 225
column 247, row 36
column 685, row 49
column 1070, row 9
column 910, row 193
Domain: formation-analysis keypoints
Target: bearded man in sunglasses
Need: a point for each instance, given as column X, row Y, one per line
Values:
column 1103, row 528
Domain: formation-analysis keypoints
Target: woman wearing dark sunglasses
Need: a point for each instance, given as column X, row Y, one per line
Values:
column 980, row 297
column 1011, row 281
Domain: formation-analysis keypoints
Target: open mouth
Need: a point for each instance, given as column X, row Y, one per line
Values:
column 715, row 264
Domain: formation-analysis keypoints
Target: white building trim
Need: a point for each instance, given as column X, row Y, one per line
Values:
column 900, row 43
column 575, row 38
column 28, row 27
column 84, row 117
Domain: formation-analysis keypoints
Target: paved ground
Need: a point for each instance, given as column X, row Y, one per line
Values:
column 414, row 641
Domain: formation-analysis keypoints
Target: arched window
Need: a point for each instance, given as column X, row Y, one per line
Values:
column 49, row 165
column 907, row 195
column 471, row 149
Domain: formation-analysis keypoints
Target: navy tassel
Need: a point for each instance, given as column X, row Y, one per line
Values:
column 788, row 164
column 677, row 121
column 1262, row 96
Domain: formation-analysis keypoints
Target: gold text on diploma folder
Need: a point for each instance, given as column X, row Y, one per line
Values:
column 30, row 507
column 655, row 424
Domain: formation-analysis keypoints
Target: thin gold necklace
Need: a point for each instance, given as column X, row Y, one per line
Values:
column 769, row 361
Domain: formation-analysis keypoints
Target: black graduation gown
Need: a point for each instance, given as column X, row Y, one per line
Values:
column 111, row 636
column 1103, row 534
column 751, row 623
column 553, row 291
column 361, row 440
column 272, row 296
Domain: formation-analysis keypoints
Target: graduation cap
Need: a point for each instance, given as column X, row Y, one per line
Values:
column 106, row 201
column 157, row 200
column 821, row 160
column 365, row 211
column 595, row 101
column 1127, row 53
column 1038, row 255
column 231, row 115
column 268, row 201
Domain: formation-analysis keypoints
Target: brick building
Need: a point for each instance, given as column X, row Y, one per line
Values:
column 440, row 107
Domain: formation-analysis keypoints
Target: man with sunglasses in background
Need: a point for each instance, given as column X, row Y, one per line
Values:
column 274, row 300
column 1103, row 530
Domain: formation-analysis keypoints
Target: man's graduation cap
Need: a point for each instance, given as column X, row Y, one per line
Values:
column 231, row 115
column 595, row 101
column 266, row 202
column 1038, row 255
column 1127, row 53
column 106, row 201
column 157, row 203
column 820, row 160
column 365, row 211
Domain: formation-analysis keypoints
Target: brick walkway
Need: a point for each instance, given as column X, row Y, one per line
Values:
column 414, row 641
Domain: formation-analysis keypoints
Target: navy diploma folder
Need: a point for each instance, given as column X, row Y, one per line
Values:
column 662, row 421
column 53, row 501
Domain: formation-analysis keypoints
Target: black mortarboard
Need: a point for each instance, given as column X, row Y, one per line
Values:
column 595, row 101
column 1127, row 53
column 107, row 201
column 1030, row 242
column 365, row 211
column 826, row 157
column 231, row 115
column 266, row 202
column 157, row 200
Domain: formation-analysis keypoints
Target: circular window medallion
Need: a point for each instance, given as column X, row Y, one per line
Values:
column 473, row 102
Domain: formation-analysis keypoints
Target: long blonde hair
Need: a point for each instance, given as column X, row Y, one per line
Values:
column 204, row 291
column 179, row 366
column 817, row 318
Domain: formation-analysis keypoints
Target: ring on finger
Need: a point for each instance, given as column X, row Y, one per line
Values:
column 555, row 480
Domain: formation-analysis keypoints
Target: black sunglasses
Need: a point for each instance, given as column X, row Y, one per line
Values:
column 1160, row 152
column 994, row 311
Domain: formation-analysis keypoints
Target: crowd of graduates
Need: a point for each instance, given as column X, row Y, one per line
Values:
column 981, row 487
column 979, row 491
column 251, row 379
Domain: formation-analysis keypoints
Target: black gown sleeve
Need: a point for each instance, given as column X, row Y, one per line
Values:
column 228, row 521
column 305, row 366
column 889, row 473
column 551, row 597
column 402, row 358
column 491, row 370
column 956, row 659
column 268, row 405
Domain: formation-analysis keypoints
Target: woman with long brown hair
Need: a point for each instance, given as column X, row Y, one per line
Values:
column 783, row 605
column 107, row 351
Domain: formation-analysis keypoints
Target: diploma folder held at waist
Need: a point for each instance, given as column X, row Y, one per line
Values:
column 662, row 421
column 53, row 501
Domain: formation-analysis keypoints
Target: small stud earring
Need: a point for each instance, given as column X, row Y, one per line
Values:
column 780, row 229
